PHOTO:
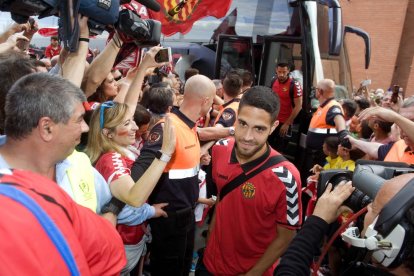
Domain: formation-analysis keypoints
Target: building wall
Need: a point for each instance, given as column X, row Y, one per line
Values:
column 384, row 21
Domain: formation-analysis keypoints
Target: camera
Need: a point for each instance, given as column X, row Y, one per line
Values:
column 142, row 32
column 367, row 179
column 102, row 14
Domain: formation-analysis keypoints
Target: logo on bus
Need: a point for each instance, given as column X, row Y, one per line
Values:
column 179, row 11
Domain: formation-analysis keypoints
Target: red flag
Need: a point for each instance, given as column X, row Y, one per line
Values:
column 227, row 26
column 179, row 16
column 52, row 31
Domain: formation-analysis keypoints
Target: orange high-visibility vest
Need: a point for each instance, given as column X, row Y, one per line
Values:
column 398, row 153
column 318, row 123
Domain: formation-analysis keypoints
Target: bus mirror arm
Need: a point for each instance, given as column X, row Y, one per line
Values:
column 367, row 40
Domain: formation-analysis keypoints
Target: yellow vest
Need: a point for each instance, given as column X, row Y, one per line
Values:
column 82, row 180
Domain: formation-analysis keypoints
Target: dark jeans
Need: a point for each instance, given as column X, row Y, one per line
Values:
column 172, row 243
column 279, row 143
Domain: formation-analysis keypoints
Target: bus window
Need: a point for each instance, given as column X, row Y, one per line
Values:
column 234, row 52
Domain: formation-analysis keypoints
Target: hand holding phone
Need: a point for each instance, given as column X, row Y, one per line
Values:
column 395, row 90
column 164, row 55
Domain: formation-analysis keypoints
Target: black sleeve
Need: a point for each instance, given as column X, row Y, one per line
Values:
column 227, row 118
column 383, row 151
column 332, row 113
column 300, row 253
column 151, row 146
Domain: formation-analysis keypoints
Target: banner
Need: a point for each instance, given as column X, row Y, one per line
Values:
column 179, row 16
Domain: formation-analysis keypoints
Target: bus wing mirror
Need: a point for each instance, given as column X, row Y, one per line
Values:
column 335, row 30
column 367, row 40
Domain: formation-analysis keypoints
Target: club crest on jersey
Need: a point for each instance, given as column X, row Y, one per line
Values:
column 248, row 190
column 227, row 116
column 154, row 137
column 179, row 11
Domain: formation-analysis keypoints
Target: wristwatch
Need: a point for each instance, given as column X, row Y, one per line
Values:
column 114, row 206
column 231, row 131
column 162, row 156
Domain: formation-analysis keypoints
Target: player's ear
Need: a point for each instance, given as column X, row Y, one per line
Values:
column 274, row 126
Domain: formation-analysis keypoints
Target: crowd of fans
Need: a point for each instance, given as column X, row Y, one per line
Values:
column 145, row 154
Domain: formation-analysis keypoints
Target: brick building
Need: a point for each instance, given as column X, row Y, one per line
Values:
column 391, row 27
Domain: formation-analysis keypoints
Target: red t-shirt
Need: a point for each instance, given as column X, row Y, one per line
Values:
column 247, row 218
column 112, row 165
column 282, row 89
column 26, row 249
column 50, row 52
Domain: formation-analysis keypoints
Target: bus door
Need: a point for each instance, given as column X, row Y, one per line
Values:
column 285, row 49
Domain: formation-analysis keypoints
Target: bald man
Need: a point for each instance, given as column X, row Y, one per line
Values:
column 328, row 120
column 173, row 237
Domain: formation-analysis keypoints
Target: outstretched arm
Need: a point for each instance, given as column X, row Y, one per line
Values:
column 136, row 194
column 370, row 148
column 74, row 66
column 389, row 115
column 101, row 66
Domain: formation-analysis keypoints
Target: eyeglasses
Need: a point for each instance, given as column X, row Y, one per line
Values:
column 102, row 107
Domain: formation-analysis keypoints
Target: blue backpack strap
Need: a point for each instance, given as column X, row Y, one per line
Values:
column 46, row 222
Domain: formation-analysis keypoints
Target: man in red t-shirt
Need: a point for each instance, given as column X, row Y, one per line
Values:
column 54, row 48
column 254, row 223
column 290, row 96
column 74, row 240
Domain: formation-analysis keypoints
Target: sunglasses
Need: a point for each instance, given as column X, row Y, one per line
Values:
column 102, row 107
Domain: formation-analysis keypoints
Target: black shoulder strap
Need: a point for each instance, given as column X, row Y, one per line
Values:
column 242, row 178
column 292, row 92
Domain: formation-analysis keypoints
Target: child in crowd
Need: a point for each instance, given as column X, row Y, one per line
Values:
column 330, row 149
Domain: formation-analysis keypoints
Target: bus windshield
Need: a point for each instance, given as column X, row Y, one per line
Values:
column 254, row 17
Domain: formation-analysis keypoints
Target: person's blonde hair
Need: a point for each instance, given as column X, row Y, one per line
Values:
column 98, row 142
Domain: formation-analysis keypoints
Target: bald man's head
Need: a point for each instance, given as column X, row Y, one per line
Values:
column 199, row 93
column 326, row 88
column 388, row 190
column 199, row 86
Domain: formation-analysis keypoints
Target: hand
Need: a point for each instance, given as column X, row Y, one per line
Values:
column 17, row 28
column 149, row 58
column 83, row 26
column 11, row 42
column 159, row 212
column 317, row 168
column 168, row 140
column 32, row 29
column 205, row 159
column 327, row 207
column 381, row 113
column 283, row 130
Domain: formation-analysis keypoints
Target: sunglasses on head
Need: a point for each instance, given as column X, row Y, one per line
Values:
column 102, row 107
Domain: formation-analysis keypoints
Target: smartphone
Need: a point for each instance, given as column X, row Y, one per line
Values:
column 164, row 55
column 365, row 82
column 395, row 91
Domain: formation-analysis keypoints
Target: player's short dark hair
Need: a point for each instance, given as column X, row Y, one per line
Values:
column 261, row 97
column 232, row 84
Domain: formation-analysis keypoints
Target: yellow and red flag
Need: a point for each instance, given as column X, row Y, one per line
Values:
column 180, row 15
